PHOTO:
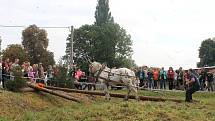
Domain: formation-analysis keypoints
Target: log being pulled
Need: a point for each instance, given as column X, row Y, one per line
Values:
column 117, row 95
column 41, row 88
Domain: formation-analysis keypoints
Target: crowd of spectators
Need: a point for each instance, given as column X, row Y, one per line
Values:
column 34, row 73
column 151, row 78
column 158, row 78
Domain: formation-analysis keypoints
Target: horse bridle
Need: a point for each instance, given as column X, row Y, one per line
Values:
column 99, row 71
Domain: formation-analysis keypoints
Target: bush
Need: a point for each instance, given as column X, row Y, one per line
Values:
column 63, row 79
column 70, row 80
column 17, row 82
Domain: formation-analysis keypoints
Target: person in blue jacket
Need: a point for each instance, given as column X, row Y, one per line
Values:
column 162, row 77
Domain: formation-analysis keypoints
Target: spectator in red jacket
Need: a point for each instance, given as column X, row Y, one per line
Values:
column 170, row 77
column 155, row 78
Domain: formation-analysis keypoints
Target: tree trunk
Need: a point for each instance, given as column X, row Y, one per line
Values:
column 54, row 93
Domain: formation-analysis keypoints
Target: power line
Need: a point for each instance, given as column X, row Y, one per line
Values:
column 52, row 27
column 5, row 26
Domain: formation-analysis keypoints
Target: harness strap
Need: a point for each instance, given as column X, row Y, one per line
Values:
column 109, row 80
column 118, row 74
column 109, row 74
column 99, row 72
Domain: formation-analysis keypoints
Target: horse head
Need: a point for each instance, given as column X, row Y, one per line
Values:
column 94, row 67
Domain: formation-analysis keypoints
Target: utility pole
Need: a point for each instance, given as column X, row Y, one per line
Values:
column 70, row 57
column 0, row 49
column 0, row 59
column 71, row 51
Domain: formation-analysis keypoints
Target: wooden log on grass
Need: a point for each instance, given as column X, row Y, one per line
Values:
column 27, row 89
column 36, row 87
column 144, row 98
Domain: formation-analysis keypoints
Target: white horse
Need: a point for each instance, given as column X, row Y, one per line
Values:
column 109, row 76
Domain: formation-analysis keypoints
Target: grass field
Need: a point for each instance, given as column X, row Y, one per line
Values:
column 45, row 107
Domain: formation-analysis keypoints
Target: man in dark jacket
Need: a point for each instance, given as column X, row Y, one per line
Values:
column 210, row 81
column 202, row 78
column 141, row 76
column 193, row 85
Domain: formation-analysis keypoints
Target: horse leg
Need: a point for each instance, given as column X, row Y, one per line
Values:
column 136, row 93
column 129, row 91
column 134, row 90
column 107, row 95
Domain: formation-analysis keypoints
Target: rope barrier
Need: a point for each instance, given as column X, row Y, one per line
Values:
column 75, row 82
column 22, row 77
column 81, row 83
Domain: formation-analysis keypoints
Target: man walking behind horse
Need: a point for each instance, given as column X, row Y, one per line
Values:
column 193, row 85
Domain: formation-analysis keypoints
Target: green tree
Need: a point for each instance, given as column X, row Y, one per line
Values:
column 207, row 53
column 85, row 44
column 107, row 43
column 113, row 43
column 64, row 77
column 35, row 41
column 14, row 51
column 102, row 14
column 104, row 41
column 47, row 58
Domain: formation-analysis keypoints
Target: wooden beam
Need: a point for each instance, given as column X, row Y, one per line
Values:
column 54, row 93
column 27, row 89
column 144, row 98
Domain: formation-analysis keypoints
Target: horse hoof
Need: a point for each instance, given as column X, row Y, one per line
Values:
column 125, row 99
column 138, row 99
column 108, row 99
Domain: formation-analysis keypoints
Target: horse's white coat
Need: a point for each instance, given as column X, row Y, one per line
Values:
column 123, row 76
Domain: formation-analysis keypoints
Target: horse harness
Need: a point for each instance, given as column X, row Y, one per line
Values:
column 109, row 74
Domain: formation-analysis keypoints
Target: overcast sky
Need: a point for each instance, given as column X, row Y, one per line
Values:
column 164, row 32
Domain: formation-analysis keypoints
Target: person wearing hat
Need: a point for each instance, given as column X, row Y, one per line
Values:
column 193, row 85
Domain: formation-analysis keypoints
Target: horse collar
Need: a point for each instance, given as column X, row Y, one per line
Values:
column 99, row 72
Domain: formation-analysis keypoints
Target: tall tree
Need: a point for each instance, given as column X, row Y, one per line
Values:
column 102, row 14
column 47, row 58
column 84, row 44
column 35, row 41
column 207, row 53
column 14, row 51
column 108, row 43
column 104, row 41
column 113, row 43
